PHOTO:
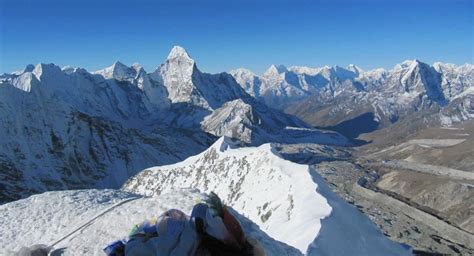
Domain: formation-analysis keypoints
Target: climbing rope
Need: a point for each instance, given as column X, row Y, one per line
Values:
column 94, row 218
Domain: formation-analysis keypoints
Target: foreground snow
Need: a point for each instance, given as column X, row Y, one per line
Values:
column 49, row 217
column 288, row 201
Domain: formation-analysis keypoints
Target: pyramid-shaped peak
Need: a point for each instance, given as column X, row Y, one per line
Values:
column 118, row 71
column 275, row 70
column 43, row 69
column 29, row 68
column 138, row 68
column 242, row 71
column 118, row 64
column 409, row 64
column 119, row 68
column 280, row 68
column 178, row 52
column 354, row 68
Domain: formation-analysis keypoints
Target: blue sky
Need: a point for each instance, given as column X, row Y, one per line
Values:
column 222, row 35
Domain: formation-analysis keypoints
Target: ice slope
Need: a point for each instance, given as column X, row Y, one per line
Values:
column 281, row 197
column 107, row 215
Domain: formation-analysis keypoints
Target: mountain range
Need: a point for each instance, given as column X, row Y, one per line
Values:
column 353, row 101
column 67, row 128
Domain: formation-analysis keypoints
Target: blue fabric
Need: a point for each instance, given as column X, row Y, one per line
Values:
column 116, row 248
column 199, row 211
column 146, row 228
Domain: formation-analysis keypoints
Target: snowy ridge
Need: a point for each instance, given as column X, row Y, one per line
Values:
column 280, row 196
column 247, row 189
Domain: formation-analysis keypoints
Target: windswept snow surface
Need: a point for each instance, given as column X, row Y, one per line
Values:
column 48, row 217
column 278, row 195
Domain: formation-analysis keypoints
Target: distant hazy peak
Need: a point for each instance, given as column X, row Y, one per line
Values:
column 408, row 64
column 29, row 68
column 242, row 71
column 45, row 69
column 357, row 70
column 118, row 71
column 275, row 70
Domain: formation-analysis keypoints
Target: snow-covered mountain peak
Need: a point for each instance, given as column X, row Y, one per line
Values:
column 178, row 61
column 29, row 68
column 68, row 69
column 275, row 70
column 46, row 70
column 467, row 66
column 418, row 64
column 248, row 80
column 138, row 68
column 374, row 74
column 118, row 71
column 178, row 52
column 327, row 71
column 242, row 72
column 344, row 74
column 407, row 64
column 304, row 70
column 357, row 70
column 186, row 84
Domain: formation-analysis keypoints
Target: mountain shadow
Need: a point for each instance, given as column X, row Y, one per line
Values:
column 356, row 126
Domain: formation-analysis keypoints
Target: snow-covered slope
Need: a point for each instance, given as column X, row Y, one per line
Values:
column 282, row 197
column 108, row 215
